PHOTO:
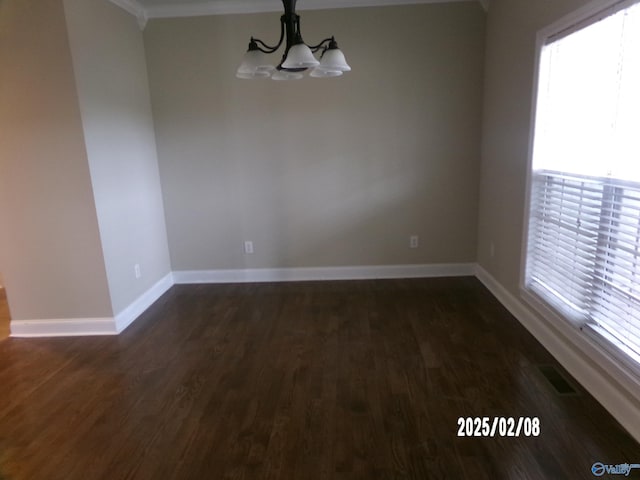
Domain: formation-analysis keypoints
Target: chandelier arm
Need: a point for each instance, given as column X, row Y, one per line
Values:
column 268, row 48
column 265, row 48
column 315, row 48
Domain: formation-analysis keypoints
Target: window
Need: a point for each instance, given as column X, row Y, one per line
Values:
column 583, row 245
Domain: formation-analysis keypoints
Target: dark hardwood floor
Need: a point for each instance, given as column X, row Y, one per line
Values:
column 333, row 380
column 5, row 318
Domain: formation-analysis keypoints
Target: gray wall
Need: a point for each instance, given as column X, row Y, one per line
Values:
column 321, row 172
column 511, row 34
column 50, row 250
column 113, row 90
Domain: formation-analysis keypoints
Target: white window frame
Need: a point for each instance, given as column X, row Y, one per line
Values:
column 626, row 372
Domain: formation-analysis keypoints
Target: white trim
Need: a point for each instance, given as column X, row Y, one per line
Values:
column 127, row 316
column 134, row 8
column 67, row 327
column 74, row 327
column 63, row 327
column 226, row 7
column 131, row 6
column 582, row 14
column 616, row 389
column 323, row 273
column 524, row 240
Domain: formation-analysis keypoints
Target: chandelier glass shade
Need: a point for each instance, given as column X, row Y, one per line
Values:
column 298, row 57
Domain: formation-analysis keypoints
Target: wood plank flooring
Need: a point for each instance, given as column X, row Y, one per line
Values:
column 5, row 318
column 332, row 380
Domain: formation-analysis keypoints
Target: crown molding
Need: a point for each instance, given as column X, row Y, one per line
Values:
column 134, row 8
column 226, row 7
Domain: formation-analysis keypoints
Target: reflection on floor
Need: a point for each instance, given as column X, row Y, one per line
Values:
column 4, row 315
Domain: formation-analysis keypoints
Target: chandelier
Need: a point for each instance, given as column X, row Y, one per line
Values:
column 298, row 57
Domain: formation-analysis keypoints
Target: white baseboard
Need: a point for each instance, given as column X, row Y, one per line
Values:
column 323, row 273
column 115, row 325
column 581, row 358
column 127, row 316
column 77, row 327
column 63, row 327
column 584, row 360
column 67, row 327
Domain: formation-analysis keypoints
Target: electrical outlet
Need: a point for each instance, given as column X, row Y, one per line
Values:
column 413, row 241
column 137, row 271
column 248, row 247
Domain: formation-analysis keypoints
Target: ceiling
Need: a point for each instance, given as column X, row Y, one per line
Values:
column 146, row 9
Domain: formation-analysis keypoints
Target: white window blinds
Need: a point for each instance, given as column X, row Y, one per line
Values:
column 583, row 250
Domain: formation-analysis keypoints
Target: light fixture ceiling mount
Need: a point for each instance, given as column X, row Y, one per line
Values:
column 298, row 57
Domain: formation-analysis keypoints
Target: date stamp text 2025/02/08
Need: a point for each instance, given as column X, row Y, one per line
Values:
column 527, row 427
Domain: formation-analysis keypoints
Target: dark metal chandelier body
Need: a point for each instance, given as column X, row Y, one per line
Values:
column 298, row 57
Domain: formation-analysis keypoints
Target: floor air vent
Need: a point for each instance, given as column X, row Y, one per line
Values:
column 557, row 380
